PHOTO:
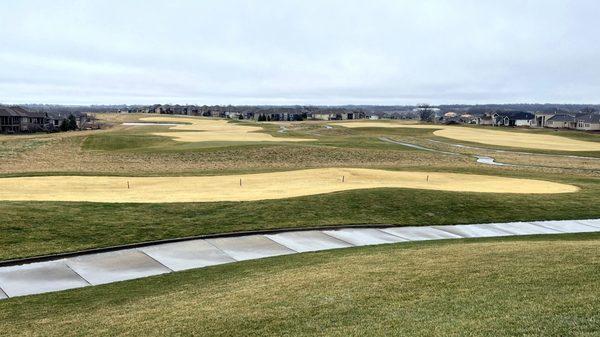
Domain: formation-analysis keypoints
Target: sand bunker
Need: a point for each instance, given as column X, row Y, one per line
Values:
column 257, row 186
column 386, row 124
column 215, row 130
column 493, row 137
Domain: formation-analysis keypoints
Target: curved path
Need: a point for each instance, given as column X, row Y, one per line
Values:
column 19, row 278
column 418, row 147
column 512, row 151
column 480, row 159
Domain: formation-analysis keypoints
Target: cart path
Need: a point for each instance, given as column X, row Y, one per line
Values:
column 19, row 278
column 480, row 158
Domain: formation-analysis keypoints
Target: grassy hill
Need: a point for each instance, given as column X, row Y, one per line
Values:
column 545, row 286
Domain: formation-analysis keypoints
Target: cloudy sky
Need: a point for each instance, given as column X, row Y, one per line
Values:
column 299, row 52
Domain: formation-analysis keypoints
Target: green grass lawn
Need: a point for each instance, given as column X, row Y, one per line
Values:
column 536, row 286
column 37, row 228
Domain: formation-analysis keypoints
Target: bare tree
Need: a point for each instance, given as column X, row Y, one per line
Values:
column 425, row 112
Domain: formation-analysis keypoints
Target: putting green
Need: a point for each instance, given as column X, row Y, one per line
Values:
column 491, row 137
column 215, row 130
column 260, row 186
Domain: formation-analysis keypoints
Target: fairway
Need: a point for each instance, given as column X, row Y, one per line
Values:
column 492, row 137
column 262, row 186
column 215, row 130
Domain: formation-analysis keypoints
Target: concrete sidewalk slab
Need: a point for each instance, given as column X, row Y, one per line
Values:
column 473, row 231
column 37, row 278
column 308, row 241
column 420, row 233
column 567, row 226
column 593, row 223
column 2, row 295
column 522, row 228
column 187, row 254
column 364, row 236
column 115, row 266
column 249, row 247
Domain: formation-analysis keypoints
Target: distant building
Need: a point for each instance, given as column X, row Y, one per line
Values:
column 280, row 114
column 513, row 118
column 560, row 121
column 325, row 116
column 484, row 120
column 588, row 122
column 335, row 114
column 467, row 119
column 541, row 119
column 450, row 114
column 16, row 120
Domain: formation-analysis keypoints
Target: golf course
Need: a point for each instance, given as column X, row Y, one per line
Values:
column 299, row 168
column 143, row 178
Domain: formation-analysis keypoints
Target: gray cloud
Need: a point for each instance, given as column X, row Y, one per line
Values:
column 308, row 52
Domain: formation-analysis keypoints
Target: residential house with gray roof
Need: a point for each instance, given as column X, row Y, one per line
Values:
column 588, row 122
column 561, row 121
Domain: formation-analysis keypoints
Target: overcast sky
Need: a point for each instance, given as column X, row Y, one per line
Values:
column 299, row 52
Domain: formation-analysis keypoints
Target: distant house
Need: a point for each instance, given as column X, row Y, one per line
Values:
column 322, row 115
column 10, row 120
column 513, row 118
column 450, row 118
column 16, row 119
column 588, row 122
column 541, row 118
column 157, row 109
column 467, row 119
column 280, row 114
column 191, row 111
column 485, row 120
column 233, row 115
column 459, row 118
column 450, row 114
column 559, row 121
column 177, row 110
column 55, row 119
column 335, row 114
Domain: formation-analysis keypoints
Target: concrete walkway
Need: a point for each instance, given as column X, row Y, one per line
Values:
column 131, row 263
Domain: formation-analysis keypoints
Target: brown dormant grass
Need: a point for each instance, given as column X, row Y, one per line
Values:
column 216, row 130
column 492, row 137
column 260, row 186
